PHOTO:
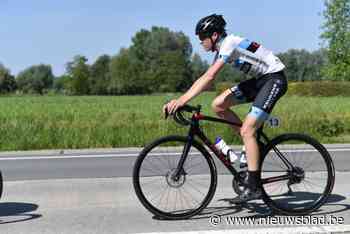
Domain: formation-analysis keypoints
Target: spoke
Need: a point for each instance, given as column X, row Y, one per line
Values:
column 194, row 166
column 190, row 156
column 276, row 158
column 193, row 198
column 196, row 189
column 280, row 157
column 149, row 169
column 277, row 184
column 268, row 171
column 298, row 158
column 159, row 194
column 185, row 198
column 199, row 183
column 150, row 182
column 181, row 200
column 311, row 163
column 156, row 167
column 273, row 164
column 162, row 160
column 175, row 200
column 167, row 198
column 312, row 183
column 161, row 197
column 168, row 161
column 316, row 178
column 293, row 158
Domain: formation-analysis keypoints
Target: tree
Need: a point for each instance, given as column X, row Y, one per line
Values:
column 161, row 59
column 100, row 75
column 172, row 74
column 198, row 66
column 337, row 37
column 35, row 79
column 125, row 75
column 78, row 70
column 302, row 65
column 62, row 84
column 7, row 81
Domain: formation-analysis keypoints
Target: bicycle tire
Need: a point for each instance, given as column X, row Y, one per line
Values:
column 318, row 148
column 1, row 184
column 156, row 210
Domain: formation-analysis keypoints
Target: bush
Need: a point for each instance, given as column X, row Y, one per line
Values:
column 319, row 88
column 330, row 128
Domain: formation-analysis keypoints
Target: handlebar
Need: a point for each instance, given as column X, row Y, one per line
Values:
column 179, row 115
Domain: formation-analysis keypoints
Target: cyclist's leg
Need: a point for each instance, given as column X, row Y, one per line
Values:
column 248, row 133
column 270, row 89
column 221, row 106
column 231, row 97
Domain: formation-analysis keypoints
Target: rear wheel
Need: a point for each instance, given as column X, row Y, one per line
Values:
column 165, row 196
column 1, row 184
column 305, row 187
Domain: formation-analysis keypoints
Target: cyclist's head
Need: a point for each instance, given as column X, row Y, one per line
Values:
column 210, row 24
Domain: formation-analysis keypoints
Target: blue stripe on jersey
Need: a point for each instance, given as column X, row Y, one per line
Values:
column 225, row 58
column 238, row 62
column 244, row 44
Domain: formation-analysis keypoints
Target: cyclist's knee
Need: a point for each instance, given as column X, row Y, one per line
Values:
column 247, row 131
column 217, row 106
column 222, row 102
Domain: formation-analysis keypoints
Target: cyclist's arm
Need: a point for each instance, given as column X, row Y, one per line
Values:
column 203, row 82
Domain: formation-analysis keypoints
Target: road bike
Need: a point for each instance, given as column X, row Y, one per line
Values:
column 175, row 177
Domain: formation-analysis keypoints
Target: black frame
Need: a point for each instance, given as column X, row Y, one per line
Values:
column 196, row 131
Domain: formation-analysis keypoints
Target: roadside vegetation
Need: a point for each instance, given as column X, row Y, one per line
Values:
column 64, row 122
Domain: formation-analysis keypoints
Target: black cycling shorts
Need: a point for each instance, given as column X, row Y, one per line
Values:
column 264, row 92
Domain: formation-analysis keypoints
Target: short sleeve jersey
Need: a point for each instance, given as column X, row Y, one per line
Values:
column 248, row 56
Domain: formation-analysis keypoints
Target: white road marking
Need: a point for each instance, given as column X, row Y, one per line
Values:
column 116, row 155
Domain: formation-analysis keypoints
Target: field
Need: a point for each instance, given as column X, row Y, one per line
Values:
column 61, row 122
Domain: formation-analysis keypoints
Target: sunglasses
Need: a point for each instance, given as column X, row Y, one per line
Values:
column 202, row 37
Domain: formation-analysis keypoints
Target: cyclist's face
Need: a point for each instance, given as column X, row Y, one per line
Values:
column 206, row 43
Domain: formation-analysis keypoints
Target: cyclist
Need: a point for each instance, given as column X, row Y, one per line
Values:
column 267, row 85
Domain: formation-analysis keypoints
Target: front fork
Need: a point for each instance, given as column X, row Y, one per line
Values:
column 179, row 169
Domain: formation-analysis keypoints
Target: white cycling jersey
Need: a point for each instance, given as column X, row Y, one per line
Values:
column 248, row 56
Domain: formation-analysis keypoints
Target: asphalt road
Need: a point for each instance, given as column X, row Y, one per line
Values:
column 43, row 165
column 91, row 192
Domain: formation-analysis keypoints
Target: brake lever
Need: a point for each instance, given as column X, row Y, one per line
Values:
column 166, row 113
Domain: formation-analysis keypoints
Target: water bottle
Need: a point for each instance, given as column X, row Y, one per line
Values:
column 221, row 145
column 243, row 158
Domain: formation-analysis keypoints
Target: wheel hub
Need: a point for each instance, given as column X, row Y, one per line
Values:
column 175, row 183
column 298, row 174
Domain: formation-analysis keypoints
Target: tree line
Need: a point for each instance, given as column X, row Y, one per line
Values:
column 160, row 60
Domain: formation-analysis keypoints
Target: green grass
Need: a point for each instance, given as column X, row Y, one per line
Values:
column 60, row 122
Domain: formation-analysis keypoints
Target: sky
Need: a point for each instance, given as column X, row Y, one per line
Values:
column 53, row 32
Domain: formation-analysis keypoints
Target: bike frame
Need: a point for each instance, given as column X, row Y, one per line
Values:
column 196, row 131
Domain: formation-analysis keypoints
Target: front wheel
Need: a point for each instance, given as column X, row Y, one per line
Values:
column 170, row 198
column 302, row 188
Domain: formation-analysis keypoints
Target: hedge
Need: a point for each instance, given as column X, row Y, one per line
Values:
column 319, row 88
column 309, row 88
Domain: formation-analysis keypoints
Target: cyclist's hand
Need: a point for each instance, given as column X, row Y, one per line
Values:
column 165, row 111
column 172, row 106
